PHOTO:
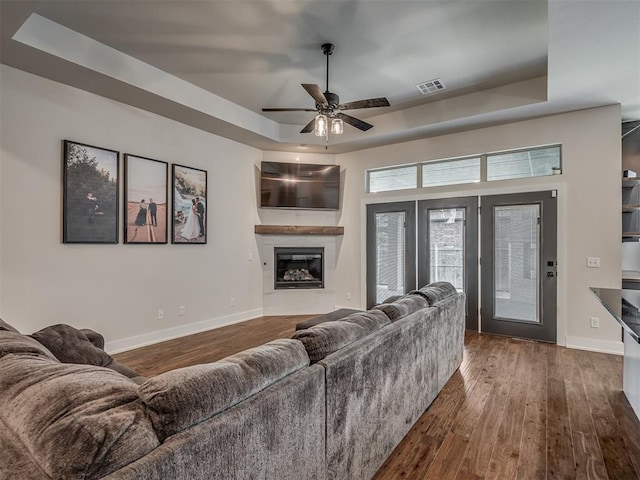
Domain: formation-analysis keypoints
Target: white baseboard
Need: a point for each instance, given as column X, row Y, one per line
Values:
column 350, row 307
column 137, row 341
column 593, row 345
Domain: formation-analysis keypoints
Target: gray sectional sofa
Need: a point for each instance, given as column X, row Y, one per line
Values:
column 332, row 402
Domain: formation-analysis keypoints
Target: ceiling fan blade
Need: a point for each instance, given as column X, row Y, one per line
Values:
column 288, row 110
column 308, row 128
column 315, row 91
column 369, row 103
column 354, row 122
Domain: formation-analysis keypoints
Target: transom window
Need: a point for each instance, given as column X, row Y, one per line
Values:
column 394, row 178
column 451, row 172
column 488, row 167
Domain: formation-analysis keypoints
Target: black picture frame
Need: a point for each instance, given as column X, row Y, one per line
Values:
column 145, row 200
column 90, row 189
column 190, row 209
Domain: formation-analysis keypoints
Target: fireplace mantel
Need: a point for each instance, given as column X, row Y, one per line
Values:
column 298, row 230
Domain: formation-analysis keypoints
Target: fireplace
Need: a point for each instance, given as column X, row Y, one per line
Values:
column 298, row 267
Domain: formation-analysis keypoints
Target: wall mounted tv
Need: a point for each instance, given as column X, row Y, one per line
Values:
column 300, row 185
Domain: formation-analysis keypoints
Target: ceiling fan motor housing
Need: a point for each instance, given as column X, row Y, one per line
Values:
column 332, row 99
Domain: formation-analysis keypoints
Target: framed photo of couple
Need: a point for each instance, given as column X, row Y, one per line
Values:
column 90, row 194
column 145, row 200
column 189, row 205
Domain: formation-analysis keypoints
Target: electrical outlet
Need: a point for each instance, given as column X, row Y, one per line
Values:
column 182, row 310
column 348, row 295
column 160, row 314
column 593, row 262
column 595, row 322
column 233, row 302
column 250, row 257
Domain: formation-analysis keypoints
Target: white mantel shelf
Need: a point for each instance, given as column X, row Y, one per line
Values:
column 298, row 230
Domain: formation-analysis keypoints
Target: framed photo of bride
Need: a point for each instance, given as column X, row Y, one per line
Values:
column 145, row 200
column 189, row 205
column 89, row 194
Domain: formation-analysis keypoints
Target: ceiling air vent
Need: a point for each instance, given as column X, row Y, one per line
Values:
column 430, row 86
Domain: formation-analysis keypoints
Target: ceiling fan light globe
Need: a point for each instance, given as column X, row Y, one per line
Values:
column 320, row 128
column 337, row 126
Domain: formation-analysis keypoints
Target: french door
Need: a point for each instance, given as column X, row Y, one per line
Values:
column 518, row 267
column 517, row 275
column 448, row 247
column 391, row 257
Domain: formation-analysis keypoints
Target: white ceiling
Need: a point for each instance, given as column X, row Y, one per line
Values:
column 214, row 64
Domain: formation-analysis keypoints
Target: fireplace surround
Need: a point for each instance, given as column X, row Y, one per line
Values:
column 298, row 267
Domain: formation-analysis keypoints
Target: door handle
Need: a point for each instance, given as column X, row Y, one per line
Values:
column 550, row 274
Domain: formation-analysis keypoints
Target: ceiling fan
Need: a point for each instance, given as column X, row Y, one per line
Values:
column 329, row 107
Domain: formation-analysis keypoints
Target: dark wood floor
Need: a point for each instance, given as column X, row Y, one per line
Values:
column 209, row 346
column 515, row 409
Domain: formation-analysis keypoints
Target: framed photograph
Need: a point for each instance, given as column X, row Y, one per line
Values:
column 189, row 205
column 90, row 194
column 145, row 199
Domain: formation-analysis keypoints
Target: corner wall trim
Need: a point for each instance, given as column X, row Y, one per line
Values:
column 592, row 345
column 137, row 341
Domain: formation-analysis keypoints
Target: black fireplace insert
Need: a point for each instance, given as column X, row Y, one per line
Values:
column 299, row 267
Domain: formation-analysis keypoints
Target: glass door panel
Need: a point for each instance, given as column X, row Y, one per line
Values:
column 390, row 248
column 516, row 262
column 446, row 246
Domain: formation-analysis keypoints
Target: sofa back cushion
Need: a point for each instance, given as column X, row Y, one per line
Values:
column 180, row 398
column 403, row 306
column 326, row 338
column 76, row 421
column 436, row 291
column 16, row 343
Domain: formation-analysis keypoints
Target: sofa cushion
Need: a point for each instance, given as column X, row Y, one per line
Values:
column 77, row 421
column 326, row 338
column 327, row 317
column 5, row 326
column 70, row 345
column 391, row 299
column 186, row 396
column 403, row 306
column 436, row 291
column 13, row 342
column 16, row 458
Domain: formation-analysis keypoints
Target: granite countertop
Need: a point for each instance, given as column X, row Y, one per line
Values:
column 624, row 305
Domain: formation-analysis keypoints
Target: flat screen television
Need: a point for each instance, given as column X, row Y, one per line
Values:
column 300, row 185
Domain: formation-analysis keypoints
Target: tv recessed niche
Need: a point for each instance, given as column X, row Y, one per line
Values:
column 300, row 185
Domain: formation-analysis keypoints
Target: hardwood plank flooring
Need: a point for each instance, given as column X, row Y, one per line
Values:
column 209, row 346
column 514, row 410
